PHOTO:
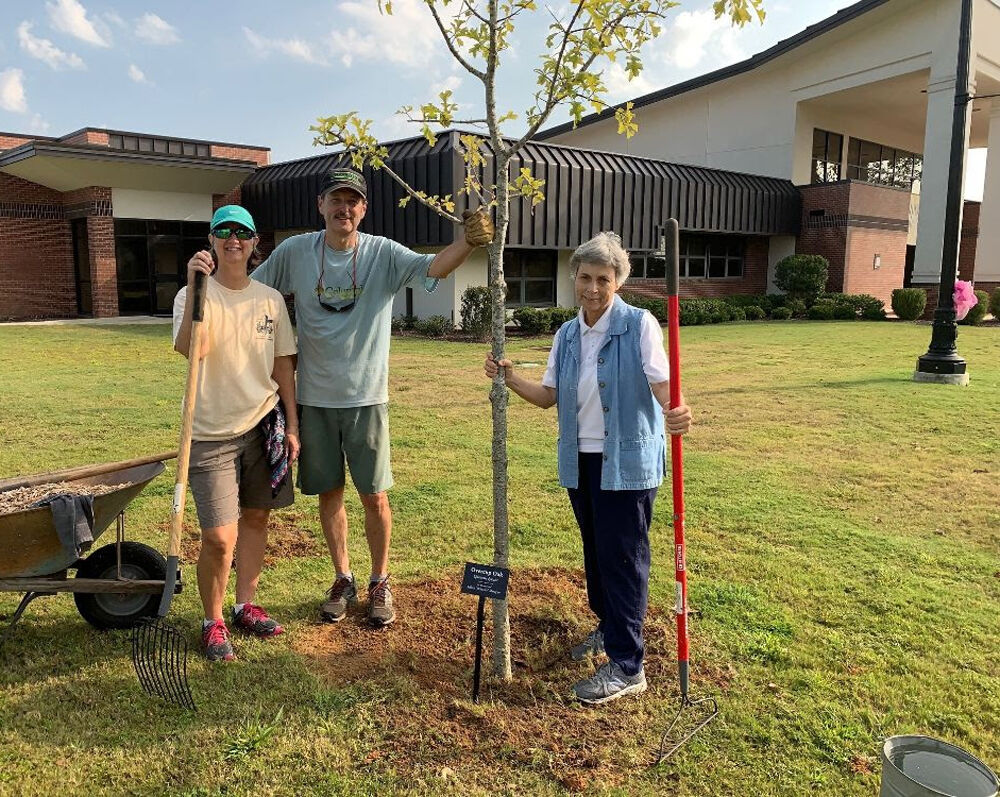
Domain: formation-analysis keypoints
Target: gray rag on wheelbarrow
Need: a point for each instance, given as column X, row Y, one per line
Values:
column 73, row 516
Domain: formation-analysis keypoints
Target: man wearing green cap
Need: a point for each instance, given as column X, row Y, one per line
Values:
column 344, row 282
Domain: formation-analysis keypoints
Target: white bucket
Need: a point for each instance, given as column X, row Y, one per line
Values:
column 919, row 766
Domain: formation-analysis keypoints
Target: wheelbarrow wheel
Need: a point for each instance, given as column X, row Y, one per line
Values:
column 120, row 610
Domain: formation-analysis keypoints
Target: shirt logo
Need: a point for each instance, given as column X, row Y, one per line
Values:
column 265, row 327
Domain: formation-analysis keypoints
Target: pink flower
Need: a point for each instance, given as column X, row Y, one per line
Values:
column 965, row 299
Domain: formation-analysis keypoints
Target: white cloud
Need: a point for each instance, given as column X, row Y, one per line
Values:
column 12, row 97
column 69, row 16
column 620, row 88
column 137, row 74
column 115, row 18
column 408, row 37
column 155, row 30
column 294, row 48
column 696, row 33
column 38, row 125
column 45, row 50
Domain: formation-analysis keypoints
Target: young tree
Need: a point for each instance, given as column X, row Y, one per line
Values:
column 583, row 36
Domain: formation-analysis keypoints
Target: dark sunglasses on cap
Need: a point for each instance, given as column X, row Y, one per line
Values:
column 241, row 233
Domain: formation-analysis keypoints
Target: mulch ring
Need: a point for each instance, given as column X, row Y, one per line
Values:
column 286, row 539
column 417, row 676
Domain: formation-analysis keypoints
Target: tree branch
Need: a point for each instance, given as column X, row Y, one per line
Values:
column 452, row 48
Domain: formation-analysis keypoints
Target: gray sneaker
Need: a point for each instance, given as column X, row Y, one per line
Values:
column 609, row 683
column 380, row 608
column 593, row 645
column 339, row 597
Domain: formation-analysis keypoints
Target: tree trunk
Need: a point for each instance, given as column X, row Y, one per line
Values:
column 498, row 398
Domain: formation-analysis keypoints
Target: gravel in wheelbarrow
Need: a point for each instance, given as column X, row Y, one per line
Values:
column 27, row 497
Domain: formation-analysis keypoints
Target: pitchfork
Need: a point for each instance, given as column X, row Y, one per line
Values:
column 668, row 746
column 159, row 651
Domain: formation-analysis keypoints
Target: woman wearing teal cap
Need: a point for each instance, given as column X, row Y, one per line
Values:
column 245, row 423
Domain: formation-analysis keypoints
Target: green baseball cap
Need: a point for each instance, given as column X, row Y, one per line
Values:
column 344, row 178
column 233, row 213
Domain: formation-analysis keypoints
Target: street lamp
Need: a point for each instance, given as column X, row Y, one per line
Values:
column 942, row 362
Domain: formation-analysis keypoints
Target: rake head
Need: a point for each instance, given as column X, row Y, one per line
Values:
column 159, row 654
column 674, row 737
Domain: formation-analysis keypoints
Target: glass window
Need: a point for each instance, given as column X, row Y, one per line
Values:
column 711, row 256
column 530, row 275
column 656, row 266
column 827, row 151
column 882, row 165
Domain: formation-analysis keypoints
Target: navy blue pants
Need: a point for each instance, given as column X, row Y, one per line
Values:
column 614, row 525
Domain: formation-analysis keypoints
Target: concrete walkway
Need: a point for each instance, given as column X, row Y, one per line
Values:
column 121, row 320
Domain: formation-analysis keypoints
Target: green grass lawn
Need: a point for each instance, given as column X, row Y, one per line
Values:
column 844, row 555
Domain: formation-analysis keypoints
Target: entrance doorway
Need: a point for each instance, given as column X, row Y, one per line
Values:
column 152, row 256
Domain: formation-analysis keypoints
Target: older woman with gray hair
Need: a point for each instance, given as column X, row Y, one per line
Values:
column 608, row 376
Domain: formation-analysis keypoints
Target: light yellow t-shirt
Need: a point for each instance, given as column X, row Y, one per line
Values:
column 246, row 330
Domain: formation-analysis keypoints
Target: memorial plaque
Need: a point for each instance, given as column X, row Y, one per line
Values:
column 487, row 581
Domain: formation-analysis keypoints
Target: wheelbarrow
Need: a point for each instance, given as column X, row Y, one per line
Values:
column 117, row 585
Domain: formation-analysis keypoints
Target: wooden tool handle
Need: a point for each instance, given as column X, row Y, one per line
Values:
column 82, row 471
column 187, row 417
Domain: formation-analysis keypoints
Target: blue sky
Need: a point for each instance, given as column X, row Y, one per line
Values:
column 260, row 73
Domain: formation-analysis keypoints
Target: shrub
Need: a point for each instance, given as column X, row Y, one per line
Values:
column 657, row 307
column 796, row 307
column 821, row 311
column 755, row 313
column 761, row 300
column 691, row 312
column 435, row 326
column 531, row 320
column 908, row 303
column 781, row 314
column 864, row 305
column 995, row 304
column 738, row 313
column 802, row 276
column 477, row 312
column 403, row 322
column 559, row 316
column 978, row 313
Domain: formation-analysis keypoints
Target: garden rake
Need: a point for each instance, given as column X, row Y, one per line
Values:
column 159, row 651
column 670, row 743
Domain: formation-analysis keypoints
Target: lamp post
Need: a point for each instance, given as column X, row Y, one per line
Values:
column 942, row 362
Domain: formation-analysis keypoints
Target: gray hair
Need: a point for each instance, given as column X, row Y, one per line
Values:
column 604, row 249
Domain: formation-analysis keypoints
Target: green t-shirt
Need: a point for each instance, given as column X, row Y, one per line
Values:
column 343, row 357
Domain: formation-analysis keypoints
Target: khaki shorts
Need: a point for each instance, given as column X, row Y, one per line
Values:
column 227, row 474
column 329, row 435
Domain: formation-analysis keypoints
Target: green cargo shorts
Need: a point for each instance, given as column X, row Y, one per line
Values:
column 329, row 435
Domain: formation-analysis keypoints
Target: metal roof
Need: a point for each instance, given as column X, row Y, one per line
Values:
column 586, row 191
column 809, row 33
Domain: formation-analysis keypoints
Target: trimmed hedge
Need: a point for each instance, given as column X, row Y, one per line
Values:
column 995, row 305
column 908, row 303
column 477, row 312
column 802, row 276
column 435, row 326
column 781, row 314
column 977, row 314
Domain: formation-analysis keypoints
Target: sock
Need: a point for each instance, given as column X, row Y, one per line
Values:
column 206, row 623
column 348, row 574
column 237, row 608
column 375, row 578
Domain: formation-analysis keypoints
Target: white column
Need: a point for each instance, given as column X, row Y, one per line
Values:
column 988, row 246
column 934, row 181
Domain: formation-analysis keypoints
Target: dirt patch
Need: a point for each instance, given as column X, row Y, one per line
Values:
column 286, row 539
column 425, row 662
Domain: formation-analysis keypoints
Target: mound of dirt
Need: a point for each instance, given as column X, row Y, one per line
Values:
column 424, row 661
column 286, row 539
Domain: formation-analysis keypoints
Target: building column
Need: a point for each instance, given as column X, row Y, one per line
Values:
column 934, row 180
column 988, row 247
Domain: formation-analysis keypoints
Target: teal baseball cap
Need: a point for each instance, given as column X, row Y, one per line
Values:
column 233, row 213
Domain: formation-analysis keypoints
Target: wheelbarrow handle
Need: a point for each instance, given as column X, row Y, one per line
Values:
column 82, row 471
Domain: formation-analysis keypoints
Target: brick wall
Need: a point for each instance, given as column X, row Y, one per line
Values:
column 87, row 137
column 968, row 240
column 9, row 141
column 103, row 266
column 753, row 281
column 261, row 157
column 825, row 209
column 232, row 198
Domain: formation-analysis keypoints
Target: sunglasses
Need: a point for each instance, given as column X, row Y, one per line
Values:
column 327, row 296
column 241, row 233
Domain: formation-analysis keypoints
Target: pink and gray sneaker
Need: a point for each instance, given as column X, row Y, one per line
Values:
column 215, row 642
column 252, row 619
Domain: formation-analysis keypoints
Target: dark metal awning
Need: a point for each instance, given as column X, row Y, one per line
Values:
column 586, row 191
